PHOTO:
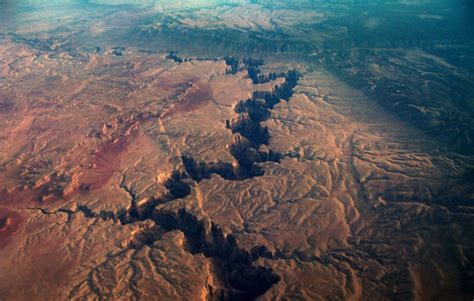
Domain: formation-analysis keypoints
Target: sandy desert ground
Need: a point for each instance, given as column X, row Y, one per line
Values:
column 132, row 173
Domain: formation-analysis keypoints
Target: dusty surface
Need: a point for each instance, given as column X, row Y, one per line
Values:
column 127, row 173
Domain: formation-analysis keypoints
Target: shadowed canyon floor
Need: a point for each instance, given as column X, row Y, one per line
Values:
column 129, row 171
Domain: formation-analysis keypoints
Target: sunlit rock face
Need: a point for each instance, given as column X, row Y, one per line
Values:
column 236, row 150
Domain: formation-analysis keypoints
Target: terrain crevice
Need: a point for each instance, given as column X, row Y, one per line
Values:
column 244, row 280
column 84, row 209
column 250, row 147
column 251, row 138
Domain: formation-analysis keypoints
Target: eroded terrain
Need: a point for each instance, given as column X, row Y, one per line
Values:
column 128, row 172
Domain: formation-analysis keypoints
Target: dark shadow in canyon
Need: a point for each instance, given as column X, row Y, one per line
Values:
column 242, row 279
column 251, row 138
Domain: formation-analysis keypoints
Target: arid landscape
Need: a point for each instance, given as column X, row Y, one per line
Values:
column 236, row 150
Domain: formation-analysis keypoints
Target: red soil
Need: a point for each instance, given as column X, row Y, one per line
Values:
column 194, row 98
column 106, row 161
column 9, row 223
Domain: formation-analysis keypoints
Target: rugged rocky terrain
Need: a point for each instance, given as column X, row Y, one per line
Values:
column 138, row 162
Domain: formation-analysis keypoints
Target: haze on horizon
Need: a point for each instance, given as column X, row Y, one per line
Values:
column 236, row 150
